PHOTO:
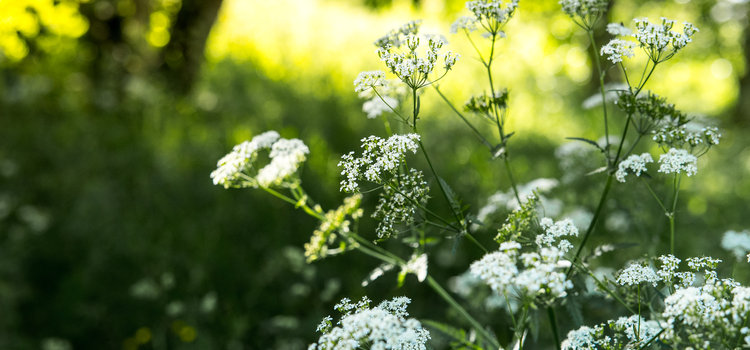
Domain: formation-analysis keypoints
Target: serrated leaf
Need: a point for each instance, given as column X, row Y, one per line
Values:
column 455, row 202
column 573, row 308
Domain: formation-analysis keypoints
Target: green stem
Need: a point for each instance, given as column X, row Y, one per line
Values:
column 601, row 86
column 609, row 291
column 553, row 325
column 510, row 177
column 655, row 196
column 476, row 132
column 590, row 229
column 474, row 323
column 671, row 214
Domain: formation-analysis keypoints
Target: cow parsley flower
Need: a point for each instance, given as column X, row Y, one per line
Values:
column 635, row 164
column 399, row 202
column 236, row 169
column 553, row 231
column 492, row 13
column 616, row 49
column 584, row 338
column 587, row 11
column 669, row 265
column 381, row 157
column 286, row 156
column 618, row 29
column 636, row 274
column 736, row 242
column 383, row 327
column 465, row 23
column 401, row 51
column 377, row 106
column 655, row 39
column 677, row 161
column 498, row 269
column 368, row 80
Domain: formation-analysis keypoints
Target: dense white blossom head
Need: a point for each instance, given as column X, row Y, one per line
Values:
column 738, row 243
column 237, row 168
column 381, row 157
column 678, row 161
column 634, row 164
column 385, row 326
column 637, row 273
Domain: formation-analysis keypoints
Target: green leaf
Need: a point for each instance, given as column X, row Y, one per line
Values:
column 590, row 142
column 457, row 334
column 455, row 202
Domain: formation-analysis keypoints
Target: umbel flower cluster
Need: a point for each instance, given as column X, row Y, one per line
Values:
column 237, row 168
column 701, row 313
column 409, row 56
column 658, row 41
column 537, row 274
column 385, row 326
column 541, row 263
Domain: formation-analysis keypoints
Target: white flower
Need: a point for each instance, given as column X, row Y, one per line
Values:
column 380, row 157
column 617, row 29
column 497, row 269
column 399, row 201
column 736, row 242
column 677, row 161
column 466, row 23
column 497, row 11
column 450, row 59
column 634, row 164
column 377, row 106
column 636, row 274
column 655, row 39
column 584, row 338
column 617, row 48
column 669, row 265
column 554, row 231
column 231, row 167
column 416, row 265
column 369, row 79
column 286, row 156
column 588, row 10
column 383, row 327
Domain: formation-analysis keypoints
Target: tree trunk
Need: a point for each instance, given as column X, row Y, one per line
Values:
column 183, row 55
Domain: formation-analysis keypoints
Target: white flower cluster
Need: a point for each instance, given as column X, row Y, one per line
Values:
column 587, row 10
column 679, row 136
column 677, row 161
column 398, row 202
column 637, row 273
column 540, row 276
column 632, row 332
column 736, row 242
column 236, row 168
column 635, row 164
column 380, row 157
column 618, row 29
column 617, row 48
column 655, row 39
column 398, row 50
column 383, row 327
column 465, row 23
column 376, row 106
column 286, row 156
column 554, row 231
column 492, row 14
column 369, row 80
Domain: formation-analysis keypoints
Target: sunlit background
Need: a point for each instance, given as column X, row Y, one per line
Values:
column 114, row 112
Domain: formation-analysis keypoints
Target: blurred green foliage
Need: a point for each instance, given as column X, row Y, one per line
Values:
column 112, row 235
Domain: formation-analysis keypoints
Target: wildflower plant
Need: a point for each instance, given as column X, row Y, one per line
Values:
column 539, row 262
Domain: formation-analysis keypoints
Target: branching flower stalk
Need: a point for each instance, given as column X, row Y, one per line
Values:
column 655, row 42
